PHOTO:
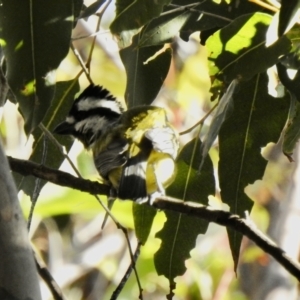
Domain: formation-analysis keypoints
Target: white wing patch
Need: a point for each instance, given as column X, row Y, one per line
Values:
column 137, row 169
column 90, row 103
column 164, row 139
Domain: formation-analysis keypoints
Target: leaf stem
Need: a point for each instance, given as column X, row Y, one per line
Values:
column 100, row 15
column 201, row 121
column 186, row 7
column 81, row 62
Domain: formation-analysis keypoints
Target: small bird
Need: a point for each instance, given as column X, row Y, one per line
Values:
column 134, row 151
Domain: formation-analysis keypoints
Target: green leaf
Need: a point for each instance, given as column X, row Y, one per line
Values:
column 132, row 15
column 35, row 36
column 92, row 9
column 78, row 6
column 292, row 132
column 144, row 77
column 208, row 16
column 143, row 216
column 180, row 231
column 292, row 85
column 58, row 111
column 225, row 106
column 288, row 15
column 257, row 119
column 238, row 50
column 163, row 29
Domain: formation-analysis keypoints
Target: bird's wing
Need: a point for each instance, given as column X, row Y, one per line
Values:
column 114, row 156
column 163, row 139
column 133, row 179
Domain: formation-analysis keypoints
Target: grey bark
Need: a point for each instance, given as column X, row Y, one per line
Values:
column 18, row 273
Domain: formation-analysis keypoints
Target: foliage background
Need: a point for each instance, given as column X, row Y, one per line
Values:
column 88, row 263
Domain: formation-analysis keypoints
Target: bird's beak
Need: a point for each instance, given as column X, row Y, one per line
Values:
column 64, row 128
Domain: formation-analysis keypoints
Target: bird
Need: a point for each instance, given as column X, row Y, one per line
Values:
column 134, row 150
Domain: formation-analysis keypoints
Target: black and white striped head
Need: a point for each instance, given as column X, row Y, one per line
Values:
column 92, row 113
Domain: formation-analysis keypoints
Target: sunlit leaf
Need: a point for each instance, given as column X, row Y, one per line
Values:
column 257, row 119
column 209, row 16
column 238, row 50
column 60, row 107
column 180, row 231
column 144, row 77
column 35, row 44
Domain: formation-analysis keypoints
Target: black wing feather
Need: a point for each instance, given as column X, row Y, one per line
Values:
column 133, row 179
column 111, row 158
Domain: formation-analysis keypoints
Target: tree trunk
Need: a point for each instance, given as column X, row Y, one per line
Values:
column 18, row 273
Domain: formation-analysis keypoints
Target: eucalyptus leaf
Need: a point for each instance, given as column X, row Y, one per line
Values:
column 34, row 45
column 224, row 108
column 180, row 231
column 238, row 50
column 91, row 9
column 257, row 119
column 143, row 216
column 60, row 107
column 144, row 76
column 288, row 15
column 132, row 15
column 209, row 16
column 292, row 132
column 163, row 29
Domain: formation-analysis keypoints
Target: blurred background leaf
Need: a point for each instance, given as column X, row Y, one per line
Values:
column 34, row 46
column 47, row 153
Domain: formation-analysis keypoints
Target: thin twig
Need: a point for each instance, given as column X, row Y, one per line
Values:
column 81, row 62
column 49, row 280
column 60, row 148
column 37, row 186
column 265, row 5
column 201, row 121
column 91, row 35
column 180, row 7
column 133, row 263
column 100, row 15
column 125, row 278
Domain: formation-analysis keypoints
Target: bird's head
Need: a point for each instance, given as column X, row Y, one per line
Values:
column 91, row 114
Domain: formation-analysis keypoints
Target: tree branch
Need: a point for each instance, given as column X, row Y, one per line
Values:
column 29, row 168
column 224, row 218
